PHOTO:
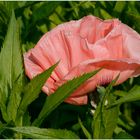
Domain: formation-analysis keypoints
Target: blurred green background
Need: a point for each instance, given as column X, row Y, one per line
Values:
column 36, row 18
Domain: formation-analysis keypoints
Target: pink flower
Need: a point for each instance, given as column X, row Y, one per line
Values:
column 83, row 46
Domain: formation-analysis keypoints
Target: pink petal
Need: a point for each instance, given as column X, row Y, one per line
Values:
column 94, row 29
column 83, row 46
column 111, row 69
column 31, row 68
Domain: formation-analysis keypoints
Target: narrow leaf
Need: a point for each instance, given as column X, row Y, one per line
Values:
column 120, row 93
column 42, row 133
column 14, row 100
column 105, row 14
column 133, row 95
column 60, row 95
column 87, row 134
column 26, row 119
column 32, row 90
column 105, row 120
column 11, row 66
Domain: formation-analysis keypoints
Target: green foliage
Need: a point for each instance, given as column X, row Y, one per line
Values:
column 31, row 91
column 123, row 135
column 60, row 95
column 131, row 96
column 40, row 133
column 10, row 71
column 14, row 100
column 22, row 23
column 87, row 134
column 105, row 119
column 119, row 7
column 44, row 10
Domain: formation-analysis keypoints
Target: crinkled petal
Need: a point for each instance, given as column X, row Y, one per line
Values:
column 83, row 46
column 31, row 68
column 111, row 69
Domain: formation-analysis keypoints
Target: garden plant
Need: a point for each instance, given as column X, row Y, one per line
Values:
column 70, row 69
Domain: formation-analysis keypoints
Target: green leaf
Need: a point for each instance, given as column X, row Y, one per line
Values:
column 45, row 10
column 2, row 127
column 14, row 100
column 132, row 8
column 135, row 20
column 120, row 93
column 119, row 7
column 105, row 14
column 26, row 119
column 133, row 95
column 10, row 5
column 11, row 66
column 32, row 90
column 87, row 134
column 41, row 133
column 3, row 107
column 124, row 135
column 125, row 123
column 60, row 95
column 105, row 120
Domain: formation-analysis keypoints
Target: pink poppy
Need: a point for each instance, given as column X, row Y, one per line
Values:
column 83, row 46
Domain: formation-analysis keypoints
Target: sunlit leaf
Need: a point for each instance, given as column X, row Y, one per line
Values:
column 105, row 14
column 11, row 67
column 42, row 133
